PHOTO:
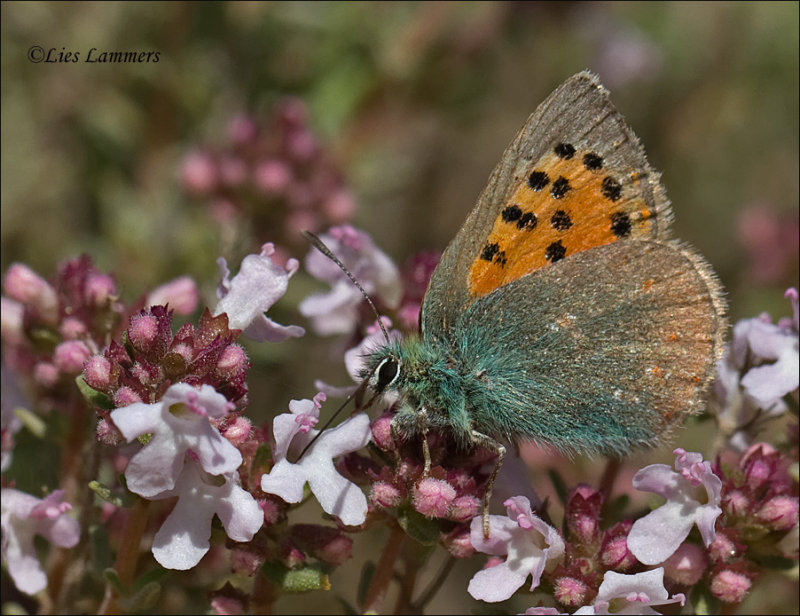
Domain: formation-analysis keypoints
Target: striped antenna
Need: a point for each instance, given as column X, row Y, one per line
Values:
column 319, row 245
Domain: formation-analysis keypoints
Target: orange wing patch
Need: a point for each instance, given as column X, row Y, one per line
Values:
column 567, row 203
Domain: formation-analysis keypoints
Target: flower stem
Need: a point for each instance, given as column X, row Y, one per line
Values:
column 384, row 572
column 128, row 555
column 609, row 476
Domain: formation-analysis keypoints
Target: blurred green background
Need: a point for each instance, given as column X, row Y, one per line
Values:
column 414, row 102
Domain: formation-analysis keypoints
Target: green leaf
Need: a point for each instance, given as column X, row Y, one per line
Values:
column 31, row 421
column 104, row 492
column 558, row 484
column 367, row 571
column 92, row 396
column 101, row 554
column 142, row 600
column 423, row 530
column 704, row 602
column 113, row 578
column 771, row 561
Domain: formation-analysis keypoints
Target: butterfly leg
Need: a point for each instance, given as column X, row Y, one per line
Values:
column 422, row 424
column 422, row 427
column 482, row 440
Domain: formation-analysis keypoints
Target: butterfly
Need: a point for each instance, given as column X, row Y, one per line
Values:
column 561, row 312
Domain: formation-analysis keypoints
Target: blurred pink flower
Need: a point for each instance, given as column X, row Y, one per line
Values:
column 771, row 240
column 179, row 294
column 760, row 366
column 336, row 311
column 24, row 516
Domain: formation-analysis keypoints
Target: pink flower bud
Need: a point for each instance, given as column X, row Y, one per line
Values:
column 46, row 374
column 433, row 497
column 199, row 173
column 302, row 145
column 183, row 350
column 385, row 495
column 272, row 176
column 687, row 565
column 11, row 321
column 99, row 289
column 238, row 430
column 245, row 561
column 97, row 373
column 143, row 332
column 615, row 554
column 458, row 542
column 570, row 592
column 242, row 129
column 228, row 606
column 779, row 512
column 27, row 287
column 72, row 328
column 757, row 473
column 583, row 513
column 125, row 396
column 327, row 544
column 737, row 503
column 722, row 549
column 232, row 362
column 292, row 113
column 464, row 508
column 272, row 511
column 730, row 586
column 106, row 433
column 291, row 555
column 339, row 207
column 180, row 294
column 70, row 356
column 382, row 432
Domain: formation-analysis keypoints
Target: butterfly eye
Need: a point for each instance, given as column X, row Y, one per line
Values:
column 386, row 373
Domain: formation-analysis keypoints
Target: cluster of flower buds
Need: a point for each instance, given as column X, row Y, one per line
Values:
column 50, row 330
column 151, row 359
column 277, row 177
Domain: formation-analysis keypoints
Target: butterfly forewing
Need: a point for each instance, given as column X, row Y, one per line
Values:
column 575, row 177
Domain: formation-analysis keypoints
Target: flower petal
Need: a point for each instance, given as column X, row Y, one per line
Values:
column 655, row 537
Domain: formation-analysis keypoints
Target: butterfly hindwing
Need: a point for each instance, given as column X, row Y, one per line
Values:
column 606, row 351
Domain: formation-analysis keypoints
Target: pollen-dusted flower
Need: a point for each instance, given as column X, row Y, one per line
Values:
column 526, row 541
column 693, row 495
column 293, row 431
